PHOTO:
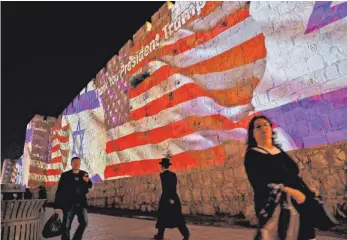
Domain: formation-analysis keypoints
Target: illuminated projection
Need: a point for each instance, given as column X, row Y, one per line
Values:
column 190, row 86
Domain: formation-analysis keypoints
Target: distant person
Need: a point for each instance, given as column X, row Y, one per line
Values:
column 170, row 210
column 28, row 194
column 70, row 199
column 43, row 195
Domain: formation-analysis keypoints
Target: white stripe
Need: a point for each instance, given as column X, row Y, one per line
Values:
column 201, row 106
column 53, row 178
column 196, row 141
column 63, row 146
column 56, row 154
column 225, row 9
column 55, row 166
column 225, row 41
column 210, row 81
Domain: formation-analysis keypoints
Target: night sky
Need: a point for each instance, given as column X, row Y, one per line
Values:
column 51, row 50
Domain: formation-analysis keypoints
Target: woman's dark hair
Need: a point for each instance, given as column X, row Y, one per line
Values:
column 251, row 142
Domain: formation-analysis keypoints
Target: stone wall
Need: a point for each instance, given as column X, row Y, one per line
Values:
column 224, row 189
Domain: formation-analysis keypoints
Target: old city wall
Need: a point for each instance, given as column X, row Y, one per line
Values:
column 296, row 75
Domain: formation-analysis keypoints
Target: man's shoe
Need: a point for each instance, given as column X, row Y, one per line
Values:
column 186, row 237
column 156, row 237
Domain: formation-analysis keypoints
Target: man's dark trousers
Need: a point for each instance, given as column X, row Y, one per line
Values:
column 82, row 218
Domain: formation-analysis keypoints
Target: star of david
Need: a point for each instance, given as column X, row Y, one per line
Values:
column 78, row 134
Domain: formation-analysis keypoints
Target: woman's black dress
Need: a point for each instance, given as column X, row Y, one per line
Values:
column 169, row 215
column 263, row 169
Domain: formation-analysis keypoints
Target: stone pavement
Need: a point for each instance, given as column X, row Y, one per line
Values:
column 103, row 227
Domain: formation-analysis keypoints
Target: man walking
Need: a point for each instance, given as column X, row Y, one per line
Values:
column 70, row 199
column 170, row 210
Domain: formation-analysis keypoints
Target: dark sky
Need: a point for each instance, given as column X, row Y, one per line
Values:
column 51, row 50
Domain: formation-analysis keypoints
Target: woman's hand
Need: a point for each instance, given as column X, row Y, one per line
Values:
column 298, row 196
column 314, row 190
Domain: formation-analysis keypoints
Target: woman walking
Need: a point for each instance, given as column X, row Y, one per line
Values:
column 266, row 164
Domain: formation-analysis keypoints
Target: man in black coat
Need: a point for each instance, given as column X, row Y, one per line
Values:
column 70, row 199
column 170, row 210
column 43, row 195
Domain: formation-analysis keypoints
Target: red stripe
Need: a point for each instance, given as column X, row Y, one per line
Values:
column 57, row 160
column 62, row 139
column 176, row 130
column 186, row 160
column 50, row 172
column 59, row 127
column 242, row 54
column 62, row 151
column 56, row 148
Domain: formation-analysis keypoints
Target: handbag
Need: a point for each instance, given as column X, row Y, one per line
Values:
column 284, row 222
column 53, row 227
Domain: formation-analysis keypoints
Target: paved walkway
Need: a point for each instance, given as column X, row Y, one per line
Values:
column 102, row 227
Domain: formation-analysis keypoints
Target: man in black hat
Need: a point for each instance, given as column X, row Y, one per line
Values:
column 70, row 199
column 170, row 210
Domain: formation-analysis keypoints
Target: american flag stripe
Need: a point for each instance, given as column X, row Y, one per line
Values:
column 60, row 146
column 201, row 106
column 59, row 138
column 59, row 127
column 59, row 153
column 175, row 130
column 52, row 179
column 213, row 81
column 244, row 53
column 58, row 165
column 228, row 97
column 176, row 146
column 209, row 8
column 185, row 159
column 219, row 45
column 221, row 12
column 54, row 171
column 196, row 40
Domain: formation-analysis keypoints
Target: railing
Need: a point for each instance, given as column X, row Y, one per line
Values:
column 20, row 219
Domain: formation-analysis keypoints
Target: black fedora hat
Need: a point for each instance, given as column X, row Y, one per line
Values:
column 165, row 162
